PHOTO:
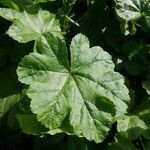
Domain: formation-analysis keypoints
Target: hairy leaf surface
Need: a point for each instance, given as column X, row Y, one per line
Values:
column 28, row 27
column 85, row 92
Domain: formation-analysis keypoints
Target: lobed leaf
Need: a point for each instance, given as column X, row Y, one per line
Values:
column 28, row 27
column 86, row 94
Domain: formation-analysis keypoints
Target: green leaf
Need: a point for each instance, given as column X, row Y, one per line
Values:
column 146, row 85
column 130, row 11
column 21, row 5
column 9, row 3
column 143, row 111
column 29, row 124
column 10, row 90
column 129, row 128
column 132, row 125
column 7, row 102
column 28, row 27
column 65, row 127
column 88, row 92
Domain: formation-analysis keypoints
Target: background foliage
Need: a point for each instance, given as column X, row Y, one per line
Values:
column 120, row 27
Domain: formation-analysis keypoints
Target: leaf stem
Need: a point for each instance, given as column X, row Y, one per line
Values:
column 71, row 20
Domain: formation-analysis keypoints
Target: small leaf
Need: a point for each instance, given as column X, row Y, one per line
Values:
column 7, row 102
column 127, row 122
column 133, row 125
column 146, row 85
column 28, row 27
column 129, row 128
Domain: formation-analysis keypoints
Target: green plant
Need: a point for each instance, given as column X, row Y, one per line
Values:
column 74, row 74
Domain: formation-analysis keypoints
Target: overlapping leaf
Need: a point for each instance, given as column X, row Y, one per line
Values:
column 28, row 27
column 88, row 92
column 133, row 125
